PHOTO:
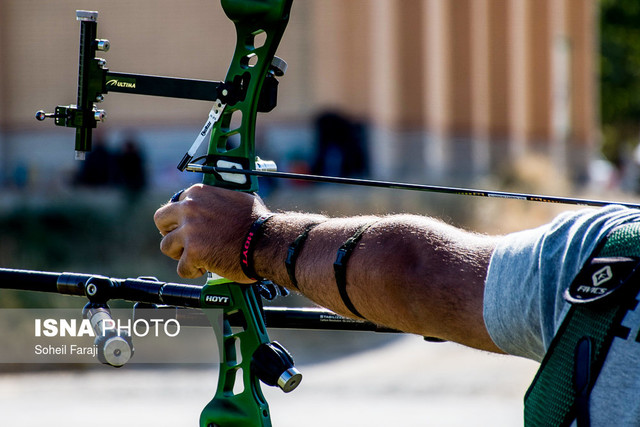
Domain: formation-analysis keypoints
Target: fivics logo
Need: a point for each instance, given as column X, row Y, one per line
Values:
column 602, row 276
column 599, row 278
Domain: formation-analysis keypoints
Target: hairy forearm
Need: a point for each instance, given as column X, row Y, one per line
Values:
column 411, row 273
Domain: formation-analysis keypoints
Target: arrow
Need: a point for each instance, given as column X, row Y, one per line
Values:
column 193, row 167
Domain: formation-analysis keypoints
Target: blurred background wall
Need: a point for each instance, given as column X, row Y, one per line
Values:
column 445, row 89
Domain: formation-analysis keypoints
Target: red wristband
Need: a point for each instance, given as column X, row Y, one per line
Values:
column 249, row 246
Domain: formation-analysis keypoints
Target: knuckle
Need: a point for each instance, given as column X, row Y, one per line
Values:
column 186, row 270
column 183, row 271
column 165, row 245
column 157, row 217
column 170, row 247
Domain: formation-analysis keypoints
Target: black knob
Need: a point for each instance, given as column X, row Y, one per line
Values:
column 274, row 366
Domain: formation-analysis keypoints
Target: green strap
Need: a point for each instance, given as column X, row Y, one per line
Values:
column 552, row 398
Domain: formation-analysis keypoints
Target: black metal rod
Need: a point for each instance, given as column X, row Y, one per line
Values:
column 172, row 87
column 40, row 281
column 316, row 318
column 409, row 186
column 283, row 318
column 88, row 31
column 135, row 290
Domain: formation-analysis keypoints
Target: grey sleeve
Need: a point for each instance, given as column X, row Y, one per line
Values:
column 529, row 271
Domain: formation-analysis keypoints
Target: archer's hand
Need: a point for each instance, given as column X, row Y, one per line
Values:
column 205, row 230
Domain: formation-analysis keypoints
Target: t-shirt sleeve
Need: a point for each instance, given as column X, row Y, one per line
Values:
column 529, row 271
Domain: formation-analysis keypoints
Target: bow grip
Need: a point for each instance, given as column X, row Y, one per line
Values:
column 238, row 401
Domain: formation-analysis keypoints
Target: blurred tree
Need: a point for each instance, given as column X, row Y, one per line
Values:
column 620, row 77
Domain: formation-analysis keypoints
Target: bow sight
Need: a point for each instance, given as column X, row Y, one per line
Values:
column 250, row 87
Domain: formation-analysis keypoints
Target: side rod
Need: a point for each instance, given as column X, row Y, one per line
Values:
column 136, row 290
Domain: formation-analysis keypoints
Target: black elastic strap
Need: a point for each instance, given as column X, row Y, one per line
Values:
column 249, row 246
column 340, row 267
column 294, row 251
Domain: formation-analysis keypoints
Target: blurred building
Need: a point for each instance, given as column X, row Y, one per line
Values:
column 448, row 87
column 478, row 81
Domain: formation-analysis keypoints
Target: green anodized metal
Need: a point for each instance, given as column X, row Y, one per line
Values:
column 253, row 19
column 235, row 405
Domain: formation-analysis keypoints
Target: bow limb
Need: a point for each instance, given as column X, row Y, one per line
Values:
column 250, row 88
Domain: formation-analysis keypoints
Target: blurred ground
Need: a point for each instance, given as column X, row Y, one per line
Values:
column 401, row 381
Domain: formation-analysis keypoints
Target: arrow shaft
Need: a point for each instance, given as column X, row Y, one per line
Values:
column 413, row 187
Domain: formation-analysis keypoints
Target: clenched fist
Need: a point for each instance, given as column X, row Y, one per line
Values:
column 205, row 228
